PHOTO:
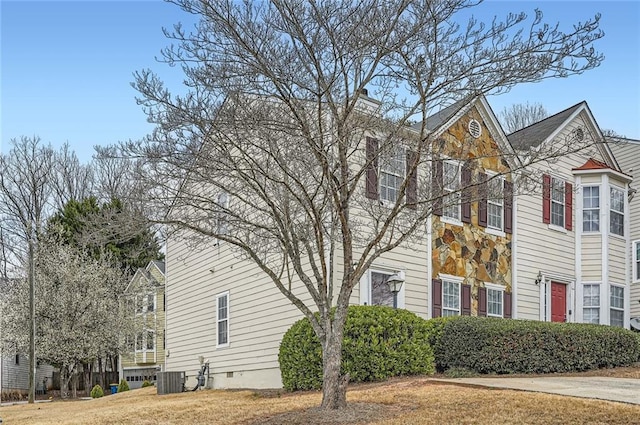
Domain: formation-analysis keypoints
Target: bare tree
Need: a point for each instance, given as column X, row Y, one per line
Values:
column 25, row 196
column 73, row 180
column 521, row 115
column 270, row 149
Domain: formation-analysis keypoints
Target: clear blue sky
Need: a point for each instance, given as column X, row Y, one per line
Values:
column 66, row 67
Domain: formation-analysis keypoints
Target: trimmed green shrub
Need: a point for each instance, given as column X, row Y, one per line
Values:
column 146, row 383
column 378, row 343
column 488, row 345
column 124, row 386
column 97, row 392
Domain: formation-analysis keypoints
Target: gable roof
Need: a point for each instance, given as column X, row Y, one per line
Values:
column 160, row 265
column 440, row 121
column 535, row 134
column 434, row 121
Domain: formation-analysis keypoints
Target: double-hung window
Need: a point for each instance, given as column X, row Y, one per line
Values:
column 451, row 184
column 222, row 319
column 616, row 213
column 392, row 171
column 495, row 203
column 450, row 298
column 150, row 340
column 495, row 301
column 591, row 209
column 557, row 202
column 151, row 303
column 591, row 303
column 616, row 314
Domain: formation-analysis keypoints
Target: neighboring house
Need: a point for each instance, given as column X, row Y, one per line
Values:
column 146, row 297
column 226, row 310
column 627, row 152
column 572, row 236
column 14, row 368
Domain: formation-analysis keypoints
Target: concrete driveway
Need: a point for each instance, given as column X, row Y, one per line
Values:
column 626, row 390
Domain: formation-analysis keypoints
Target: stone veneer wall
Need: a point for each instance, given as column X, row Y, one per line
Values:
column 467, row 251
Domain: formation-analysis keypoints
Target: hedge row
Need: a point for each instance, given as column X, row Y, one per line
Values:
column 488, row 345
column 379, row 342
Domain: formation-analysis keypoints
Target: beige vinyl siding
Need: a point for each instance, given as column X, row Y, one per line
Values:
column 617, row 272
column 259, row 313
column 540, row 247
column 592, row 257
column 627, row 153
column 154, row 320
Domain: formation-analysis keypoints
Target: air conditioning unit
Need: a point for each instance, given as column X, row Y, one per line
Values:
column 170, row 382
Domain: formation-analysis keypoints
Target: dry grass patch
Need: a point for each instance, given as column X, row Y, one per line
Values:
column 402, row 401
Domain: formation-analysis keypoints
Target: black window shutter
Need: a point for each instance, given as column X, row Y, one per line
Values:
column 372, row 169
column 436, row 186
column 482, row 201
column 412, row 183
column 482, row 302
column 436, row 298
column 466, row 300
column 508, row 207
column 507, row 305
column 466, row 192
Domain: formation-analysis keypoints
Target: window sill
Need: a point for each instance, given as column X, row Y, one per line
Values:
column 615, row 236
column 556, row 228
column 222, row 346
column 451, row 221
column 495, row 232
column 591, row 233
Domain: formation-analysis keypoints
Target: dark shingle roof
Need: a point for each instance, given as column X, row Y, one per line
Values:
column 536, row 133
column 159, row 265
column 434, row 121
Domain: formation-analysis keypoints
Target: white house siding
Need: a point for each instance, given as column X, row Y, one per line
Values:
column 627, row 153
column 543, row 249
column 15, row 377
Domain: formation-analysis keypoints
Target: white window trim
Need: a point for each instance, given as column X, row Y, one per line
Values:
column 636, row 269
column 623, row 212
column 403, row 154
column 452, row 279
column 365, row 283
column 155, row 302
column 592, row 232
column 624, row 301
column 445, row 218
column 498, row 231
column 495, row 287
column 228, row 320
column 552, row 225
column 582, row 306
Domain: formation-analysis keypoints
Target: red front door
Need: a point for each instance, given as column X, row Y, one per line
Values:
column 558, row 302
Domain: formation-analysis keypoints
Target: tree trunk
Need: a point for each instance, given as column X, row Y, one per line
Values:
column 87, row 378
column 65, row 377
column 334, row 385
column 74, row 376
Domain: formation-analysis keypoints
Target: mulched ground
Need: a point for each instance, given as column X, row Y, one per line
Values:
column 354, row 413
